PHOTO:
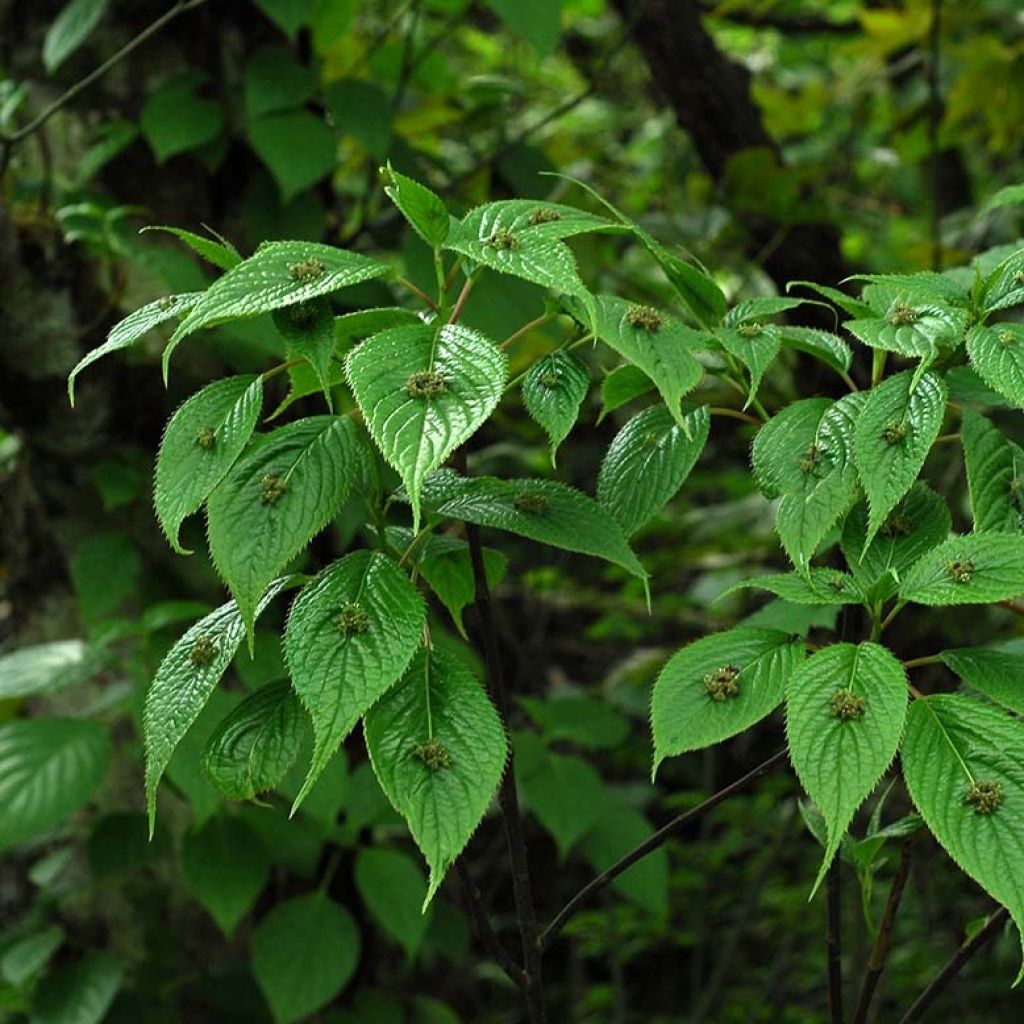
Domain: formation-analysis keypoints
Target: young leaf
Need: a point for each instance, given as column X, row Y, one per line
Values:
column 647, row 462
column 308, row 332
column 758, row 309
column 253, row 748
column 49, row 767
column 994, row 468
column 350, row 635
column 653, row 342
column 203, row 439
column 438, row 749
column 755, row 345
column 541, row 510
column 304, row 952
column 391, row 885
column 996, row 674
column 226, row 866
column 924, row 287
column 815, row 586
column 718, row 686
column 962, row 762
column 279, row 274
column 133, row 328
column 424, row 391
column 622, row 385
column 892, row 439
column 979, row 568
column 997, row 353
column 845, row 708
column 426, row 213
column 220, row 253
column 183, row 684
column 553, row 391
column 275, row 499
column 917, row 524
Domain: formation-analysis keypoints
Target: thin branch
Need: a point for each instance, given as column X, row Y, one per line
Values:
column 931, row 659
column 482, row 926
column 956, row 963
column 525, row 329
column 8, row 141
column 652, row 843
column 882, row 944
column 461, row 300
column 417, row 291
column 736, row 414
column 834, row 941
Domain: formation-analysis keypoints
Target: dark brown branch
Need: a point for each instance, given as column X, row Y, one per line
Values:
column 834, row 941
column 883, row 940
column 652, row 843
column 980, row 938
column 482, row 926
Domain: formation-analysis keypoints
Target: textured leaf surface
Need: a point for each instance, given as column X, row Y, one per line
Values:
column 953, row 743
column 840, row 750
column 755, row 346
column 391, row 885
column 49, row 767
column 254, row 746
column 183, row 684
column 975, row 569
column 437, row 715
column 1004, row 286
column 226, row 866
column 997, row 353
column 133, row 328
column 828, row 347
column 280, row 274
column 308, row 332
column 447, row 569
column 647, row 462
column 541, row 510
column 220, row 253
column 622, row 385
column 919, row 522
column 553, row 391
column 275, row 499
column 684, row 714
column 421, row 208
column 999, row 675
column 661, row 352
column 892, row 439
column 995, row 475
column 341, row 666
column 44, row 668
column 80, row 993
column 303, row 954
column 815, row 586
column 417, row 432
column 910, row 329
column 201, row 443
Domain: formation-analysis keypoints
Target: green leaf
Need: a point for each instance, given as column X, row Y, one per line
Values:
column 924, row 287
column 424, row 391
column 202, row 441
column 996, row 674
column 420, row 207
column 447, row 569
column 647, row 463
column 220, row 253
column 183, row 683
column 24, row 958
column 80, row 993
column 814, row 586
column 911, row 329
column 538, row 21
column 226, row 867
column 917, row 524
column 133, row 328
column 847, row 303
column 308, row 332
column 253, row 748
column 758, row 309
column 44, row 668
column 175, row 120
column 70, row 29
column 275, row 81
column 892, row 439
column 438, row 750
column 995, row 475
column 564, row 792
column 823, row 345
column 845, row 708
column 275, row 499
column 288, row 15
column 304, row 952
column 297, row 148
column 553, row 391
column 1008, row 195
column 350, row 635
column 1004, row 286
column 391, row 885
column 49, row 768
column 586, row 721
column 363, row 110
column 962, row 762
column 622, row 385
column 718, row 686
column 279, row 274
column 653, row 342
column 755, row 345
column 541, row 510
column 997, row 353
column 979, row 568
